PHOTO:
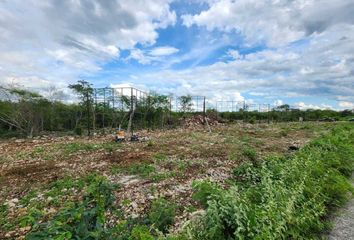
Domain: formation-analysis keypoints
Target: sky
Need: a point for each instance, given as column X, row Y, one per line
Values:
column 299, row 52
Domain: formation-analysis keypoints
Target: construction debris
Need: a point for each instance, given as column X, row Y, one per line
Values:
column 199, row 120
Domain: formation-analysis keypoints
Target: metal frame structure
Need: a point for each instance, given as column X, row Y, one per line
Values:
column 113, row 97
column 236, row 106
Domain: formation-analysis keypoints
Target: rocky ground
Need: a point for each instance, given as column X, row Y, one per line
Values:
column 343, row 223
column 163, row 165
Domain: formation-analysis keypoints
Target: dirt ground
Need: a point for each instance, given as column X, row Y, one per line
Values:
column 164, row 165
column 343, row 222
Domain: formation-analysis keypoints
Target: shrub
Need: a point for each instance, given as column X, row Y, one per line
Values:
column 203, row 191
column 162, row 214
column 141, row 232
column 252, row 120
column 250, row 153
column 285, row 198
column 78, row 131
column 80, row 220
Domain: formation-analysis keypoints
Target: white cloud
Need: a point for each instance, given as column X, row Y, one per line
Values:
column 345, row 104
column 320, row 67
column 56, row 42
column 304, row 106
column 234, row 54
column 272, row 21
column 62, row 39
column 139, row 56
column 157, row 54
column 278, row 102
column 163, row 51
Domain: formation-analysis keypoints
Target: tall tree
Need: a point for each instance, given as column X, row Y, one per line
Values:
column 84, row 91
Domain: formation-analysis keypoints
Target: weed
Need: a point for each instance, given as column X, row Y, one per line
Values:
column 141, row 232
column 3, row 213
column 191, row 209
column 250, row 154
column 115, row 170
column 284, row 132
column 203, row 191
column 150, row 144
column 81, row 220
column 74, row 147
column 160, row 157
column 144, row 170
column 27, row 198
column 162, row 214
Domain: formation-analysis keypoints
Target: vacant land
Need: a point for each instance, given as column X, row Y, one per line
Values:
column 43, row 180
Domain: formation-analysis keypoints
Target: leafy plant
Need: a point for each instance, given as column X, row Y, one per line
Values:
column 204, row 191
column 144, row 170
column 250, row 153
column 162, row 214
column 80, row 220
column 141, row 232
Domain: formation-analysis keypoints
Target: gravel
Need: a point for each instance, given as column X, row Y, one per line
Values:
column 343, row 224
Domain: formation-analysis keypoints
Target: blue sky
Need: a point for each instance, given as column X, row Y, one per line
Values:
column 297, row 52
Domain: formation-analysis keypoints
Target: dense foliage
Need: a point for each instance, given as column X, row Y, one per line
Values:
column 288, row 115
column 23, row 113
column 283, row 197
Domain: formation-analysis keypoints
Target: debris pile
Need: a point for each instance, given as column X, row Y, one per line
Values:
column 198, row 120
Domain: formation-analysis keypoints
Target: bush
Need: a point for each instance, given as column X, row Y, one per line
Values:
column 78, row 131
column 162, row 214
column 250, row 153
column 203, row 191
column 252, row 120
column 141, row 232
column 283, row 198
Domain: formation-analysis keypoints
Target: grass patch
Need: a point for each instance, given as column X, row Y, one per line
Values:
column 160, row 157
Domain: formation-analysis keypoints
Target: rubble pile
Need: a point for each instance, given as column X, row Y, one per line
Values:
column 198, row 120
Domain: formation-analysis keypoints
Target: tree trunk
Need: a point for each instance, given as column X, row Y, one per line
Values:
column 30, row 134
column 130, row 123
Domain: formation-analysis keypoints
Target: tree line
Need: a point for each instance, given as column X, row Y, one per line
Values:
column 26, row 113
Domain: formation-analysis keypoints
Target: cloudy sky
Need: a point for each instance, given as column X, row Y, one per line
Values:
column 299, row 52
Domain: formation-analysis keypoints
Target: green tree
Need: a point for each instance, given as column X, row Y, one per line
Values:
column 22, row 110
column 186, row 103
column 84, row 91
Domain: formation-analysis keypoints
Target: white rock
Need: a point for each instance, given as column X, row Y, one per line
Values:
column 134, row 205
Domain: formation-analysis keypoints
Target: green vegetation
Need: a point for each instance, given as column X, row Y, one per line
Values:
column 280, row 114
column 162, row 214
column 144, row 170
column 282, row 198
column 250, row 154
column 24, row 113
column 79, row 220
column 204, row 191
